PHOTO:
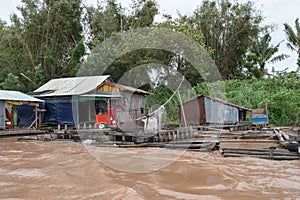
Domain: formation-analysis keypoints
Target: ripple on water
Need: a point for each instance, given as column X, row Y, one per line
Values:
column 27, row 173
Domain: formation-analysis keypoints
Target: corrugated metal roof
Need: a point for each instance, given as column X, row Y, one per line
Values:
column 102, row 95
column 69, row 86
column 7, row 95
column 223, row 102
column 227, row 103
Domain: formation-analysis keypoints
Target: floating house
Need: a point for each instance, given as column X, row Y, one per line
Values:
column 89, row 100
column 131, row 105
column 206, row 110
column 10, row 99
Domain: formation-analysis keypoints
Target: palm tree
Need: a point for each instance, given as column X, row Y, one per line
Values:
column 262, row 52
column 293, row 38
column 266, row 51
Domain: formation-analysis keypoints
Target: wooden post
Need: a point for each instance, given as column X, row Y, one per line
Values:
column 178, row 135
column 173, row 135
column 159, row 137
column 108, row 113
column 191, row 132
column 13, row 118
column 77, row 110
column 40, row 119
column 182, row 110
column 36, row 117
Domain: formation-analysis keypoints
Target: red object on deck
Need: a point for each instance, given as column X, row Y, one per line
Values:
column 102, row 118
column 8, row 125
column 9, row 115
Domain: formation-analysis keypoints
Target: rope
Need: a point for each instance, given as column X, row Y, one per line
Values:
column 182, row 110
column 165, row 102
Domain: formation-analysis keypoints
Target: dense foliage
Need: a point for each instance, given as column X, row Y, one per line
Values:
column 227, row 27
column 281, row 94
column 52, row 39
column 44, row 43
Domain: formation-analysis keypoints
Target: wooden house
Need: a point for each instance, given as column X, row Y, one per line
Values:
column 89, row 100
column 132, row 103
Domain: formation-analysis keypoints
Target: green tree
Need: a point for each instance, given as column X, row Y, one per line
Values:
column 111, row 20
column 293, row 38
column 227, row 27
column 185, row 25
column 45, row 36
column 143, row 14
column 103, row 22
column 12, row 82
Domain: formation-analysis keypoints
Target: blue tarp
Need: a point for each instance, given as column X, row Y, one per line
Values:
column 58, row 111
column 25, row 115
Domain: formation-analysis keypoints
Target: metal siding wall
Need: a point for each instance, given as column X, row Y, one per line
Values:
column 2, row 114
column 192, row 112
column 219, row 113
column 208, row 110
column 202, row 112
column 231, row 115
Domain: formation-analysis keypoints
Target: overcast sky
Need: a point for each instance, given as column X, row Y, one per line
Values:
column 275, row 12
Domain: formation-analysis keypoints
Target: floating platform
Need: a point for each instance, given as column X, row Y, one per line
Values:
column 268, row 153
column 189, row 145
column 21, row 132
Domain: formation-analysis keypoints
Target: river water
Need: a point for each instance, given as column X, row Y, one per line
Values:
column 66, row 170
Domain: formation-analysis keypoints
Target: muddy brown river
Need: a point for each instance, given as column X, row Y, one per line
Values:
column 66, row 170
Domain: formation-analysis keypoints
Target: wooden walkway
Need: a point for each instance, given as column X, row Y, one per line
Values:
column 20, row 132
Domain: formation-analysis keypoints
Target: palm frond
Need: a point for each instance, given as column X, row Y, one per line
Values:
column 291, row 35
column 273, row 50
column 279, row 58
column 297, row 28
column 291, row 47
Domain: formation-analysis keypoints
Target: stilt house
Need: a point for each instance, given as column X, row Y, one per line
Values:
column 90, row 100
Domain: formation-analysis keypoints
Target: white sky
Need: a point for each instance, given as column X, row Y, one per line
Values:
column 275, row 12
